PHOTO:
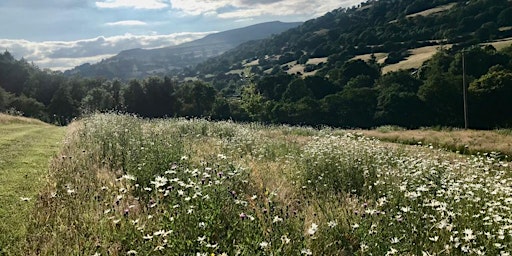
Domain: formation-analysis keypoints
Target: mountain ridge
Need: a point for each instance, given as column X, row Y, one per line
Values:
column 140, row 63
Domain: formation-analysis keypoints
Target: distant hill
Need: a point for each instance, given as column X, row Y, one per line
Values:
column 139, row 63
column 392, row 30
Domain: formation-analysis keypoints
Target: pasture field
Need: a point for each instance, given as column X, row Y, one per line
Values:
column 472, row 142
column 26, row 145
column 128, row 186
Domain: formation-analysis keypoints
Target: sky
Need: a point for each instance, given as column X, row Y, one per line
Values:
column 61, row 34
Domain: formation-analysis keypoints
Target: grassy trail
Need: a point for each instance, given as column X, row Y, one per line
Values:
column 25, row 151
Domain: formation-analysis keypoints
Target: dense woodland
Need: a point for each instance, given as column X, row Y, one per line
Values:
column 344, row 93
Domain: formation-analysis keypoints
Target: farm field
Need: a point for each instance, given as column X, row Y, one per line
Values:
column 419, row 55
column 26, row 145
column 127, row 186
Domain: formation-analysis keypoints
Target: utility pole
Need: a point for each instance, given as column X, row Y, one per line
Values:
column 464, row 90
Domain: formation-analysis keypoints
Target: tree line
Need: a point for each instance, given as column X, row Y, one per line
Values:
column 356, row 94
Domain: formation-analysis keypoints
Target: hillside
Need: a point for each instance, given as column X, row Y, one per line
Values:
column 387, row 62
column 394, row 28
column 140, row 63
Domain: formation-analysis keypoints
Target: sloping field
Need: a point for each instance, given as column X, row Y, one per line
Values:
column 26, row 147
column 500, row 44
column 380, row 57
column 431, row 11
column 415, row 60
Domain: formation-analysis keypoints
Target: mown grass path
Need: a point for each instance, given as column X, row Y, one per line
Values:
column 25, row 151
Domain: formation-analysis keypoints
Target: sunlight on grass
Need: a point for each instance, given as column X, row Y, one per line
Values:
column 26, row 146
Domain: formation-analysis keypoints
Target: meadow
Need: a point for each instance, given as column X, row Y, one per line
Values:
column 129, row 186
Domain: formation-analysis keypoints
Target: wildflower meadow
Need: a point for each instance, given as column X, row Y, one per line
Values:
column 129, row 186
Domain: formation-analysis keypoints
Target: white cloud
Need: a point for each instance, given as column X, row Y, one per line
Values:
column 136, row 4
column 62, row 55
column 199, row 7
column 242, row 9
column 127, row 23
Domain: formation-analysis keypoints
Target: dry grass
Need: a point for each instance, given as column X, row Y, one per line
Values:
column 299, row 68
column 380, row 56
column 8, row 119
column 296, row 69
column 418, row 56
column 501, row 44
column 316, row 61
column 431, row 11
column 252, row 63
column 469, row 141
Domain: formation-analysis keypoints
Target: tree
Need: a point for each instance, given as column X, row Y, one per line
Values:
column 252, row 102
column 491, row 106
column 442, row 95
column 397, row 100
column 29, row 107
column 273, row 87
column 352, row 69
column 3, row 99
column 97, row 99
column 320, row 86
column 134, row 98
column 360, row 81
column 297, row 90
column 350, row 108
column 505, row 17
column 303, row 112
column 160, row 97
column 221, row 109
column 115, row 90
column 197, row 98
column 13, row 74
column 62, row 106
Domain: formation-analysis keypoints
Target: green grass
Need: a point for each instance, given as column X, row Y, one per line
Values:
column 26, row 148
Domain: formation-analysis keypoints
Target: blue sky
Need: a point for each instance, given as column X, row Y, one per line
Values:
column 60, row 34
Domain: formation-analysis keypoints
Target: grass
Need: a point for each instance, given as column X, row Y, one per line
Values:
column 501, row 44
column 463, row 141
column 432, row 11
column 380, row 57
column 415, row 60
column 26, row 146
column 173, row 187
column 316, row 61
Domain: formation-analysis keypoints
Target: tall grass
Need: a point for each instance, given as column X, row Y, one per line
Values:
column 172, row 187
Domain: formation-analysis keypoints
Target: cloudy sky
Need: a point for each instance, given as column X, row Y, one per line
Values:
column 60, row 34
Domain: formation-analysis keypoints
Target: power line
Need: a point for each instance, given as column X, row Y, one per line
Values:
column 464, row 90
